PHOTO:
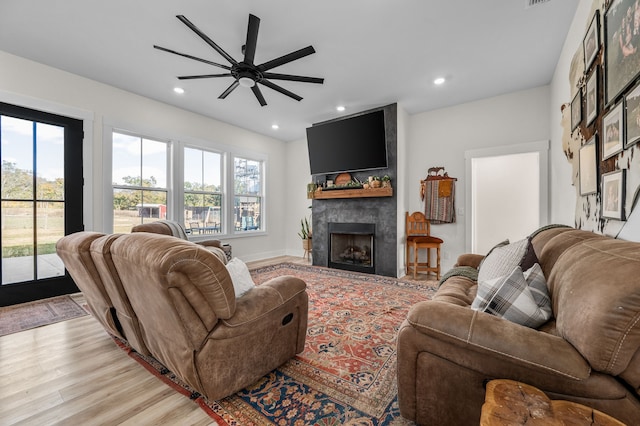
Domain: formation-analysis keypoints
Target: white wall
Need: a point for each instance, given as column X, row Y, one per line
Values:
column 440, row 138
column 297, row 176
column 563, row 193
column 30, row 84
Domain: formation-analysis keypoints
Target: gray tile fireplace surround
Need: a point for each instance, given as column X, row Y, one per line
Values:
column 381, row 211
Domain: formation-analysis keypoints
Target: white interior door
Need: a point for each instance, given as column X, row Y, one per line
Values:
column 508, row 193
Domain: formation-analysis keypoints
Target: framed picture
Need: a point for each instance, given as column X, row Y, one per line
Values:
column 589, row 168
column 592, row 97
column 613, row 193
column 576, row 110
column 591, row 42
column 622, row 50
column 613, row 131
column 632, row 117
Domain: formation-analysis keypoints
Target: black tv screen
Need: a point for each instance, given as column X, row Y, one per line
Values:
column 351, row 144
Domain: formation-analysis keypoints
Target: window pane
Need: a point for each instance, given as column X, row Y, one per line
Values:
column 247, row 175
column 127, row 160
column 202, row 213
column 50, row 228
column 50, row 162
column 125, row 211
column 17, row 242
column 193, row 169
column 247, row 213
column 212, row 176
column 154, row 164
column 17, row 158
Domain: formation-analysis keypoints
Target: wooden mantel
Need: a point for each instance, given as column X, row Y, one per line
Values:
column 353, row 193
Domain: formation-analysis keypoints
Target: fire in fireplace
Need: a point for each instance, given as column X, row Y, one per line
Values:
column 351, row 246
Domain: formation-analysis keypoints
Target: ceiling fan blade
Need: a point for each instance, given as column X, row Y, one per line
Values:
column 280, row 89
column 229, row 90
column 194, row 77
column 210, row 42
column 274, row 76
column 252, row 39
column 290, row 57
column 164, row 49
column 256, row 91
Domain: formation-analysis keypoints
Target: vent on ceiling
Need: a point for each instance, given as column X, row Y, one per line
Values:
column 531, row 3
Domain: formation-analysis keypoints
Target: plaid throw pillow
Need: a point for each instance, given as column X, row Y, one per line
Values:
column 518, row 297
column 503, row 258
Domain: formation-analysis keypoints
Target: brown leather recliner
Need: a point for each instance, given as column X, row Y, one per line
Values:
column 588, row 353
column 74, row 250
column 192, row 322
column 101, row 255
column 173, row 228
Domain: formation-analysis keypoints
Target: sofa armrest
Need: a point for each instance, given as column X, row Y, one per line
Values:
column 260, row 301
column 470, row 259
column 485, row 333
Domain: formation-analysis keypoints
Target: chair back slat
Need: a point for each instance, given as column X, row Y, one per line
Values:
column 416, row 224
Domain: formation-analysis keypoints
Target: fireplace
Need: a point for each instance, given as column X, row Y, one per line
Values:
column 351, row 246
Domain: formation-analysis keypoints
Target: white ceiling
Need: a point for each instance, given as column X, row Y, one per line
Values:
column 370, row 52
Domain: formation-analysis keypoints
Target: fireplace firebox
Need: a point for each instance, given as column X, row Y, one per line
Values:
column 351, row 246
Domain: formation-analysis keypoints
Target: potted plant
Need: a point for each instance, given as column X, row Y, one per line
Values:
column 305, row 234
column 386, row 181
column 305, row 229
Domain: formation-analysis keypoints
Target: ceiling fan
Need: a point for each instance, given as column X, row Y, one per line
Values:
column 246, row 73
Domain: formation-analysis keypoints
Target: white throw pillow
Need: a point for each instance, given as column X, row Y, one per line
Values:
column 240, row 276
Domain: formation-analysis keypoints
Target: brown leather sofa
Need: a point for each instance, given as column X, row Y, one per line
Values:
column 588, row 353
column 182, row 308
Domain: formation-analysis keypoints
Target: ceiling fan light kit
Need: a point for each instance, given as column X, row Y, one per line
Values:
column 246, row 73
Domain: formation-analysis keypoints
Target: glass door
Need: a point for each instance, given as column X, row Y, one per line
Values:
column 41, row 201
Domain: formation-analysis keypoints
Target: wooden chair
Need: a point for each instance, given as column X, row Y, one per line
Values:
column 418, row 236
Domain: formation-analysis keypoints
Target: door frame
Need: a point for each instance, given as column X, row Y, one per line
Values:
column 540, row 147
column 49, row 287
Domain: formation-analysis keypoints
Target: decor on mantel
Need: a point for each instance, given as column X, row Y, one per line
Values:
column 437, row 191
column 346, row 186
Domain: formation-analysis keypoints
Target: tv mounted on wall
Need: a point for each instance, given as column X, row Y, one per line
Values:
column 347, row 145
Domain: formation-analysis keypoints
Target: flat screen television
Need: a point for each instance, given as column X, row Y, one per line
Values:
column 351, row 144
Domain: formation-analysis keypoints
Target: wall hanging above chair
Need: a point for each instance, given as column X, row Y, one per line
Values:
column 438, row 192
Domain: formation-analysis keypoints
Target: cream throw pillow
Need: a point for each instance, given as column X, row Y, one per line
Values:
column 240, row 276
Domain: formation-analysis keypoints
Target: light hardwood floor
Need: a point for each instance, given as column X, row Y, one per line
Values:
column 72, row 373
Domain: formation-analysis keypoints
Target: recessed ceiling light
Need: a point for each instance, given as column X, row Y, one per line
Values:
column 275, row 126
column 178, row 90
column 439, row 81
column 340, row 108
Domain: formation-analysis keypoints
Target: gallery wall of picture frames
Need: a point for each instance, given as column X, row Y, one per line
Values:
column 606, row 108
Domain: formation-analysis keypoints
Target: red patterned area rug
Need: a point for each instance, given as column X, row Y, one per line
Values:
column 29, row 315
column 347, row 373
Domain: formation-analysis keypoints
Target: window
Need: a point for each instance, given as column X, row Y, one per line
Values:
column 203, row 198
column 248, row 194
column 139, row 176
